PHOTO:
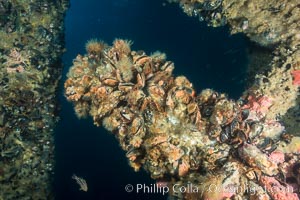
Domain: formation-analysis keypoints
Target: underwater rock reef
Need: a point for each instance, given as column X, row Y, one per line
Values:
column 31, row 46
column 274, row 27
column 244, row 149
column 240, row 148
column 267, row 23
column 181, row 137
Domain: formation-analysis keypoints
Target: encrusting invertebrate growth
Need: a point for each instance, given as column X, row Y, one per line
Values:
column 31, row 46
column 181, row 137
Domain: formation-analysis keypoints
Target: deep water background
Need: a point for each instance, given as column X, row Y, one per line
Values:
column 208, row 57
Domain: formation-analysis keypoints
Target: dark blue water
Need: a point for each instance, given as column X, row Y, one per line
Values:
column 209, row 57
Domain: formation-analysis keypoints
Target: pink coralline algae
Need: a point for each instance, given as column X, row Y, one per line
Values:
column 277, row 157
column 258, row 106
column 296, row 77
column 276, row 190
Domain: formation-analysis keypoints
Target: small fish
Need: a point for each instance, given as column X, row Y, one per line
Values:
column 81, row 182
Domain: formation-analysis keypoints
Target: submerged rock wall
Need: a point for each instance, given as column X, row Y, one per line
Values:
column 267, row 23
column 31, row 45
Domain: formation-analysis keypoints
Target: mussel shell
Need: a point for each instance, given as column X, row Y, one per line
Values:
column 241, row 134
column 245, row 114
column 224, row 137
column 296, row 169
column 220, row 162
column 206, row 111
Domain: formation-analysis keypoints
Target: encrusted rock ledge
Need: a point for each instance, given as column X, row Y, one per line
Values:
column 31, row 45
column 274, row 26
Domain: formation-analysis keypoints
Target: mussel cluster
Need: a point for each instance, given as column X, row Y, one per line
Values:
column 205, row 10
column 167, row 129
